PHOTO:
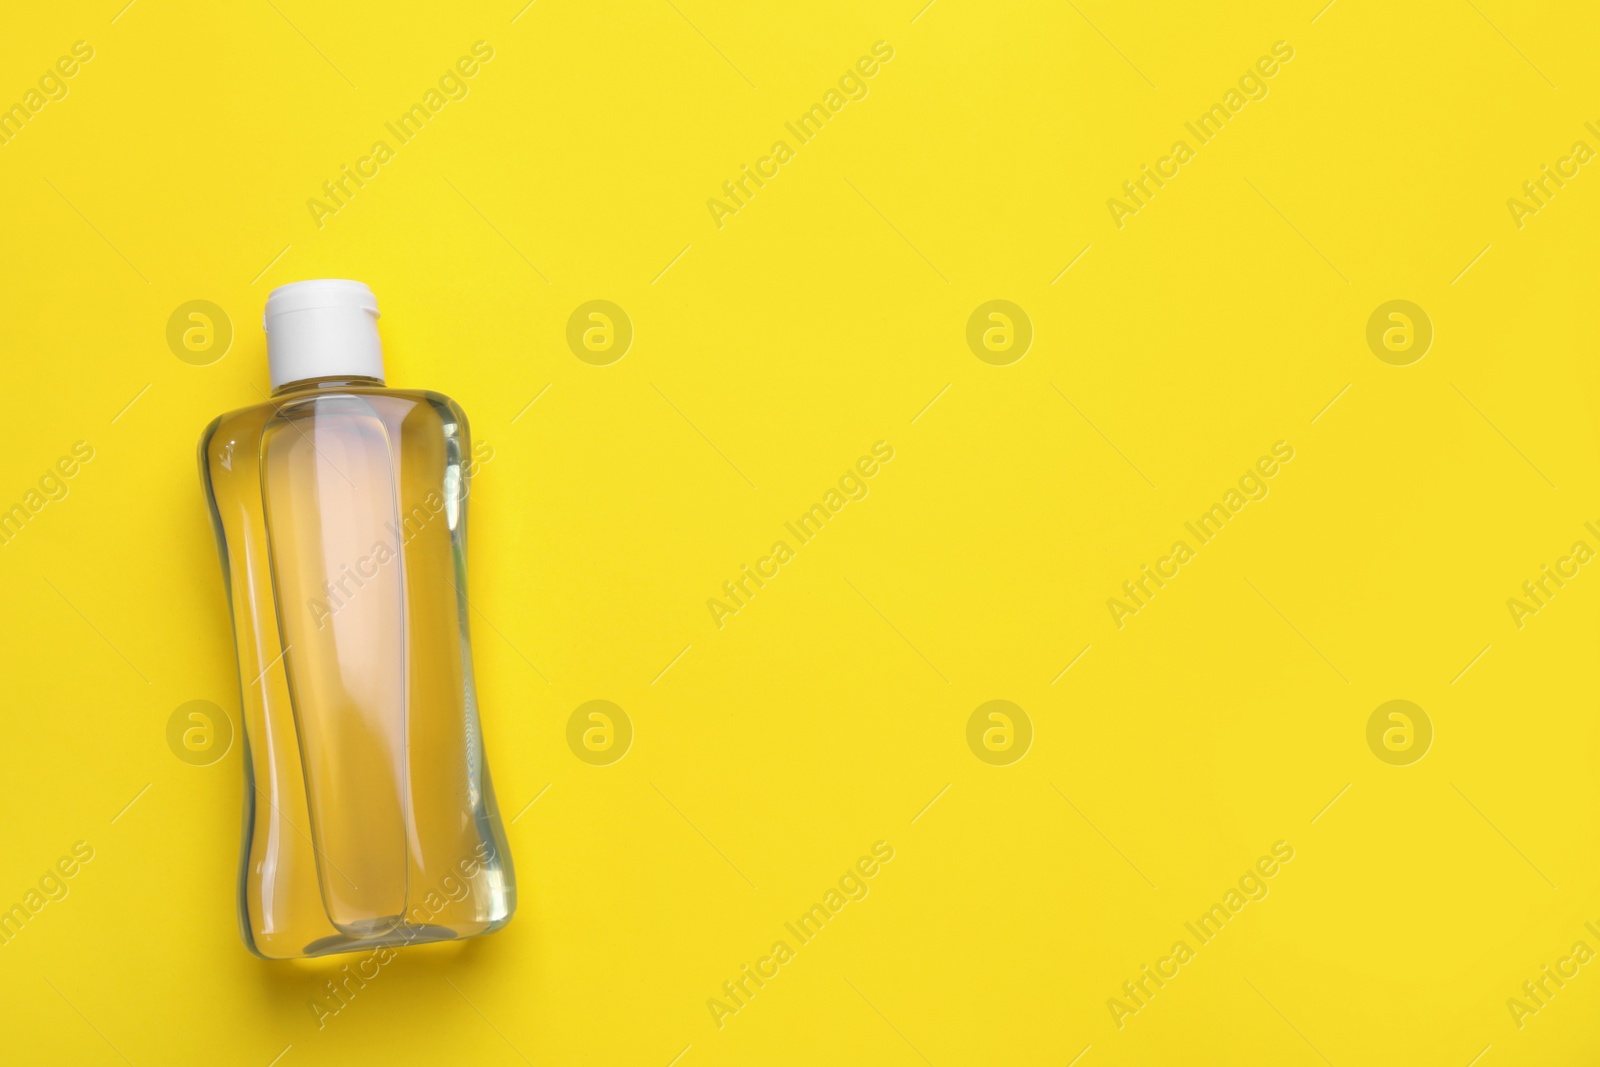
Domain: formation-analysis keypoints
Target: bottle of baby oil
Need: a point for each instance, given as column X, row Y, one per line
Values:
column 340, row 509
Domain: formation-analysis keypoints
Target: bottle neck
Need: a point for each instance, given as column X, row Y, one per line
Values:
column 329, row 384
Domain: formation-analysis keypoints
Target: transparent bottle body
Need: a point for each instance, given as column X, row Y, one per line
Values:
column 370, row 820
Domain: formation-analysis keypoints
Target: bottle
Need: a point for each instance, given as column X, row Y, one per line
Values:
column 340, row 509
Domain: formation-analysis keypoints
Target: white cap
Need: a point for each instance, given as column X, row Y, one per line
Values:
column 326, row 328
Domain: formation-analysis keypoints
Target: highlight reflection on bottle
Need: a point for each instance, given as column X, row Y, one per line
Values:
column 340, row 513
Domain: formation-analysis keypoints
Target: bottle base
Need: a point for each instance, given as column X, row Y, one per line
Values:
column 398, row 935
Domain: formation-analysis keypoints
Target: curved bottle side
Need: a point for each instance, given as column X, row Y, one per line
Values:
column 248, row 814
column 462, row 458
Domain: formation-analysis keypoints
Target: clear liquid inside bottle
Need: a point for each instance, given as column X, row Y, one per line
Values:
column 370, row 819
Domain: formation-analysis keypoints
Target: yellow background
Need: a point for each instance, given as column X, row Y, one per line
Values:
column 768, row 355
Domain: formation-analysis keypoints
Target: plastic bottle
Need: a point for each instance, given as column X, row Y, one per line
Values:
column 340, row 509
